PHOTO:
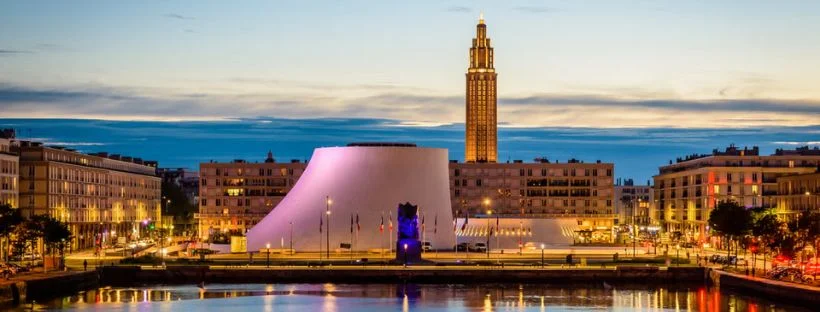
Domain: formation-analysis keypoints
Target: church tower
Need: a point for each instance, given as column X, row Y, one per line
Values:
column 480, row 133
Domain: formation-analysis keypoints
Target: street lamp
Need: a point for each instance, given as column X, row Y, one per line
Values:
column 405, row 255
column 542, row 256
column 677, row 255
column 327, row 220
column 634, row 229
column 489, row 212
column 489, row 232
column 291, row 237
column 267, row 249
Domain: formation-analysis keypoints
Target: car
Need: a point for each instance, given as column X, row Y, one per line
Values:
column 463, row 247
column 480, row 247
column 427, row 246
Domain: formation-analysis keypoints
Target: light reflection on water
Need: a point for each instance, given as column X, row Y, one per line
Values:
column 409, row 297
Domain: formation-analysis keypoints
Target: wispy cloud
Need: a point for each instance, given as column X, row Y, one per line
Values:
column 13, row 52
column 178, row 16
column 295, row 100
column 534, row 9
column 459, row 9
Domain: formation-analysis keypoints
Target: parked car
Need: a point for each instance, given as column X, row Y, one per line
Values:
column 480, row 247
column 463, row 247
column 786, row 274
column 426, row 246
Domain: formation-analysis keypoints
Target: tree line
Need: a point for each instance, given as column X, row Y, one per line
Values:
column 19, row 235
column 760, row 230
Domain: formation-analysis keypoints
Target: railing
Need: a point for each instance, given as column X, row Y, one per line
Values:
column 222, row 215
column 544, row 215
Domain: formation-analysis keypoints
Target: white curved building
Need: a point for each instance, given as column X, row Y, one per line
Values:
column 368, row 180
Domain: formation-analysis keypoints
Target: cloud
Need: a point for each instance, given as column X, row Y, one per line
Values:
column 736, row 105
column 459, row 9
column 534, row 9
column 14, row 52
column 178, row 16
column 295, row 100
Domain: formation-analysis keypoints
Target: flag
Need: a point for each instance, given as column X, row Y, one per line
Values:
column 351, row 223
column 358, row 226
column 454, row 225
column 435, row 224
column 422, row 223
column 466, row 220
column 390, row 221
column 381, row 226
column 321, row 222
column 491, row 231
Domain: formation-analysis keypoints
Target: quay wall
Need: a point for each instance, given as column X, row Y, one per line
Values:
column 783, row 291
column 117, row 276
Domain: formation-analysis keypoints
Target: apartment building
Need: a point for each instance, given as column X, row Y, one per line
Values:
column 9, row 171
column 633, row 203
column 102, row 197
column 797, row 194
column 542, row 189
column 687, row 190
column 234, row 196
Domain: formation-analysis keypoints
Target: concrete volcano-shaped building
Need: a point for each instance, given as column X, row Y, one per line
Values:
column 354, row 192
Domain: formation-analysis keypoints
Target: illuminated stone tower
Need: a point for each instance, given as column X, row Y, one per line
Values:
column 480, row 134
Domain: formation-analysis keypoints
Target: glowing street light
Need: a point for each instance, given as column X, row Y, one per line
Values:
column 267, row 248
column 327, row 220
column 405, row 255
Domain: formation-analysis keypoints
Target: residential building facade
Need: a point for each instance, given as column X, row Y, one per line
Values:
column 102, row 197
column 236, row 195
column 542, row 189
column 798, row 194
column 686, row 191
column 9, row 172
column 633, row 203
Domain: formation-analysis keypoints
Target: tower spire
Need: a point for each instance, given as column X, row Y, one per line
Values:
column 481, row 17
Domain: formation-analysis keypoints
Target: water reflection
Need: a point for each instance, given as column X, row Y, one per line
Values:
column 410, row 297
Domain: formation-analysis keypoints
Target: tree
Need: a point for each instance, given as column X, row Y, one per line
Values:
column 765, row 228
column 9, row 219
column 731, row 221
column 55, row 234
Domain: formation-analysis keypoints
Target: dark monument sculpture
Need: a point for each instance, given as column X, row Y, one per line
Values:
column 408, row 246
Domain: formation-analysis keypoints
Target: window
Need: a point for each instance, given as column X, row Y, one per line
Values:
column 717, row 189
column 458, row 182
column 204, row 182
column 729, row 177
column 478, row 182
column 609, row 172
column 457, row 173
column 754, row 189
column 529, row 172
column 204, row 202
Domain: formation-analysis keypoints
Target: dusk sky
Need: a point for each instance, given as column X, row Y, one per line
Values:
column 717, row 67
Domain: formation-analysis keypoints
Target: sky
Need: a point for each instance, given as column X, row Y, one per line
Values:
column 615, row 66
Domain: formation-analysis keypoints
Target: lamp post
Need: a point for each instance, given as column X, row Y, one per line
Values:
column 405, row 255
column 634, row 229
column 291, row 238
column 489, row 212
column 267, row 249
column 677, row 255
column 542, row 256
column 329, row 202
